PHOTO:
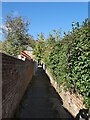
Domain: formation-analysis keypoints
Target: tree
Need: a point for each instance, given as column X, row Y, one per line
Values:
column 41, row 37
column 1, row 43
column 32, row 42
column 49, row 44
column 39, row 47
column 17, row 35
column 57, row 34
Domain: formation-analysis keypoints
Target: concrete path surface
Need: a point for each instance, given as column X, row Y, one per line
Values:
column 41, row 100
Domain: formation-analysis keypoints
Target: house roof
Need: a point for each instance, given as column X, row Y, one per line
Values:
column 29, row 48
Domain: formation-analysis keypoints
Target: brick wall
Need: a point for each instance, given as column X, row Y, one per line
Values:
column 72, row 102
column 16, row 75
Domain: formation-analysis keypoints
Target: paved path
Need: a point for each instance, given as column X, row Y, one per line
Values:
column 41, row 100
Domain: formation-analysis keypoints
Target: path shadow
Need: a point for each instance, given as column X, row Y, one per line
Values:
column 41, row 100
column 57, row 103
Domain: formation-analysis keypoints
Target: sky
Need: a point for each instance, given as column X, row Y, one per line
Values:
column 46, row 16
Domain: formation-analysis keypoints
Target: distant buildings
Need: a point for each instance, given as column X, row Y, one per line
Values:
column 30, row 50
column 26, row 54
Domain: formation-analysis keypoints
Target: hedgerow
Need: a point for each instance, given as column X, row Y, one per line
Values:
column 69, row 60
column 79, row 63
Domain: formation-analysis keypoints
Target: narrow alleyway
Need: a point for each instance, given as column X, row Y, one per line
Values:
column 41, row 100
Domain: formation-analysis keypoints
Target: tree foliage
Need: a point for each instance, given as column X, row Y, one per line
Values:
column 39, row 47
column 16, row 36
column 69, row 59
column 79, row 62
column 1, row 44
column 31, row 42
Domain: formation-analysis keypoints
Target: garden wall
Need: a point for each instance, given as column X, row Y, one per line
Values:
column 72, row 102
column 16, row 75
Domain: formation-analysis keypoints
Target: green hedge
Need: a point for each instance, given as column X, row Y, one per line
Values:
column 79, row 63
column 69, row 60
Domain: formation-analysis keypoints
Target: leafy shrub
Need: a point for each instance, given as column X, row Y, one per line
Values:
column 79, row 63
column 69, row 60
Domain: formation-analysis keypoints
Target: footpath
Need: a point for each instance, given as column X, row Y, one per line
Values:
column 41, row 100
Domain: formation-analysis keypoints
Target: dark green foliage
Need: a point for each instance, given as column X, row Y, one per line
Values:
column 1, row 43
column 39, row 47
column 69, row 60
column 79, row 63
column 57, row 61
